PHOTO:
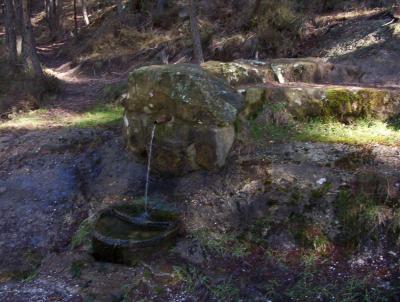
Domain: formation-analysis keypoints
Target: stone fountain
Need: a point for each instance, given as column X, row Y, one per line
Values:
column 179, row 118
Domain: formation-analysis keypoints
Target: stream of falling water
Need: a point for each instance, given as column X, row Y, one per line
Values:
column 148, row 170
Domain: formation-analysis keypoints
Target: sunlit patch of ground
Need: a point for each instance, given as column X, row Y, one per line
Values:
column 360, row 132
column 68, row 75
column 100, row 116
column 348, row 15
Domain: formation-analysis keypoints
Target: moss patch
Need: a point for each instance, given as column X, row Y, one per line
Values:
column 83, row 235
column 341, row 102
column 345, row 103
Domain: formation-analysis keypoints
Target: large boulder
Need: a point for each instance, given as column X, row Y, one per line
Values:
column 201, row 111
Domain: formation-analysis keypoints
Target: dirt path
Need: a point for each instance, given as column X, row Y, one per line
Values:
column 44, row 166
column 79, row 91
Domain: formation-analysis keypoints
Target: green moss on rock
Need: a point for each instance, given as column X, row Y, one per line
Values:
column 343, row 104
column 202, row 111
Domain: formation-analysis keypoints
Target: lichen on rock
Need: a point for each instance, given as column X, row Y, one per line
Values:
column 334, row 102
column 201, row 110
column 305, row 70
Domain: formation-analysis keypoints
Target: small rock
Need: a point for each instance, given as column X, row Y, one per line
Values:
column 392, row 253
column 3, row 190
column 359, row 262
column 190, row 251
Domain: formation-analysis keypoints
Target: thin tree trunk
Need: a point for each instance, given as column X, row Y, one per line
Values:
column 194, row 27
column 52, row 18
column 120, row 7
column 46, row 6
column 20, row 29
column 60, row 15
column 10, row 26
column 84, row 12
column 75, row 20
column 54, row 12
column 30, row 43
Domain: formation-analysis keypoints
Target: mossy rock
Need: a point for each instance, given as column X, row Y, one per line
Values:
column 331, row 102
column 239, row 72
column 201, row 110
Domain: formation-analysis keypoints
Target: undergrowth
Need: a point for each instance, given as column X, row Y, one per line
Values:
column 195, row 280
column 370, row 210
column 220, row 244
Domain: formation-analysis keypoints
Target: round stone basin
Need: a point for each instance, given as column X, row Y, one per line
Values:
column 123, row 234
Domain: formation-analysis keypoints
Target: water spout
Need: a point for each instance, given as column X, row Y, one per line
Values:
column 163, row 119
column 148, row 170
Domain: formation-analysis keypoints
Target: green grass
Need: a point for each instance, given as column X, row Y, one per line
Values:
column 194, row 280
column 311, row 286
column 76, row 268
column 82, row 235
column 368, row 212
column 100, row 116
column 360, row 132
column 225, row 291
column 221, row 244
column 362, row 217
column 191, row 277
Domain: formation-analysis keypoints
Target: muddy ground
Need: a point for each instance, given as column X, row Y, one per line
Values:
column 53, row 180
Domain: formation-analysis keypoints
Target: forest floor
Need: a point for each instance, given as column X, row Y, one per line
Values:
column 62, row 163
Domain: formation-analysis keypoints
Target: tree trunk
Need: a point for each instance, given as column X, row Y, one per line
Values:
column 120, row 7
column 194, row 27
column 20, row 30
column 46, row 6
column 75, row 20
column 84, row 12
column 54, row 12
column 10, row 26
column 60, row 15
column 30, row 43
